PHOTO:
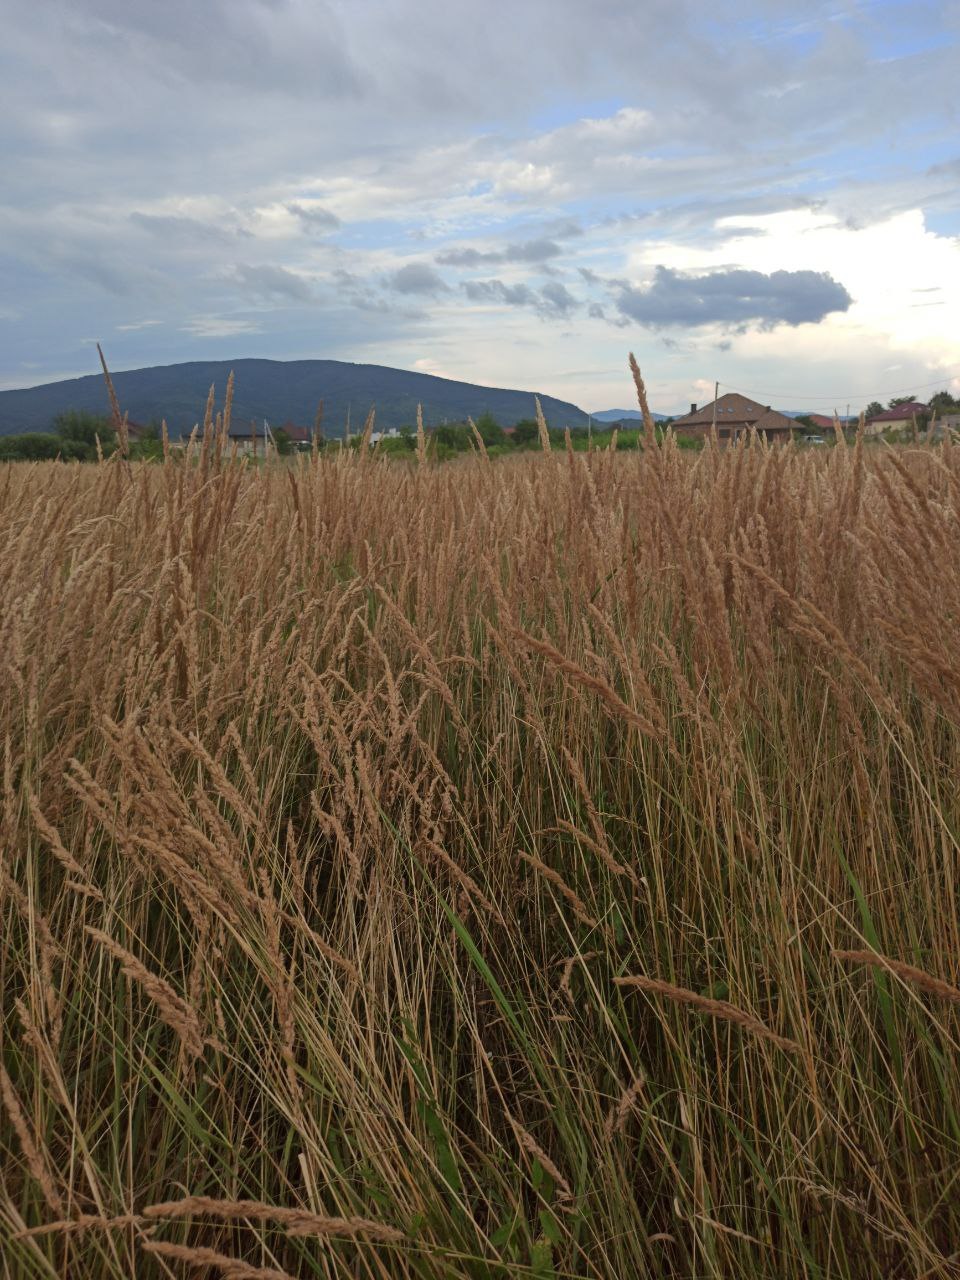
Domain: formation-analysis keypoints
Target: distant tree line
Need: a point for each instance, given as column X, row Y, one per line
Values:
column 78, row 435
column 75, row 437
column 455, row 438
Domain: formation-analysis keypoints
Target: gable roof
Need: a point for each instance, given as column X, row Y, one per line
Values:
column 246, row 431
column 735, row 410
column 901, row 412
column 297, row 435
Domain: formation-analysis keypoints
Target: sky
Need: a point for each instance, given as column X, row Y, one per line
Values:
column 514, row 193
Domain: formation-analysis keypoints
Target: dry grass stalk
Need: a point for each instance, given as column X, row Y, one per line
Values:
column 119, row 421
column 542, row 426
column 317, row 436
column 607, row 694
column 555, row 878
column 196, row 1257
column 173, row 1009
column 52, row 837
column 627, row 1102
column 714, row 1008
column 28, row 1144
column 421, row 438
column 568, row 967
column 463, row 878
column 367, row 432
column 908, row 972
column 298, row 1222
column 649, row 426
column 478, row 438
column 228, row 407
column 83, row 1222
column 529, row 1144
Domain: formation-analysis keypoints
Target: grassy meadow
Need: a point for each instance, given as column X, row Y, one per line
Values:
column 537, row 867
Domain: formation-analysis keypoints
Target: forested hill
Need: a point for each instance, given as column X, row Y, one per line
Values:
column 280, row 391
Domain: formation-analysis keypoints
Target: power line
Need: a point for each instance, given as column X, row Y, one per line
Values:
column 839, row 397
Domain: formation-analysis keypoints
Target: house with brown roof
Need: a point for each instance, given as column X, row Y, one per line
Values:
column 251, row 438
column 899, row 417
column 820, row 421
column 299, row 437
column 736, row 415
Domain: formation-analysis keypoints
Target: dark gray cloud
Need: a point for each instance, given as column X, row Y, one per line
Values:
column 552, row 301
column 529, row 251
column 511, row 295
column 735, row 298
column 557, row 300
column 417, row 278
column 273, row 283
column 172, row 228
column 315, row 218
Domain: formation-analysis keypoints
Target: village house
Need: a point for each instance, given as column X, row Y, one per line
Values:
column 900, row 417
column 735, row 415
column 390, row 434
column 820, row 421
column 255, row 438
column 299, row 437
column 948, row 422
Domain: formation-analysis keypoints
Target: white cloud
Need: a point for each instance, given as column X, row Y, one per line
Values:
column 219, row 327
column 882, row 266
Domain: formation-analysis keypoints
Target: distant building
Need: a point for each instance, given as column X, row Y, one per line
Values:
column 820, row 421
column 249, row 437
column 301, row 437
column 896, row 419
column 735, row 416
column 255, row 437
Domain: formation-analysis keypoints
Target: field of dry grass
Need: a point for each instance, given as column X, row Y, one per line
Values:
column 538, row 868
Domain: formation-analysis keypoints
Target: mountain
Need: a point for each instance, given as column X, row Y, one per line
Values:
column 624, row 415
column 280, row 391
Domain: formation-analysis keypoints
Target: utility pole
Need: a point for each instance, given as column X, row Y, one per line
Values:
column 716, row 394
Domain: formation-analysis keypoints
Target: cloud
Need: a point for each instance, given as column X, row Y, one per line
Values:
column 528, row 251
column 511, row 295
column 417, row 278
column 183, row 230
column 273, row 283
column 557, row 300
column 552, row 301
column 219, row 327
column 314, row 217
column 734, row 297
